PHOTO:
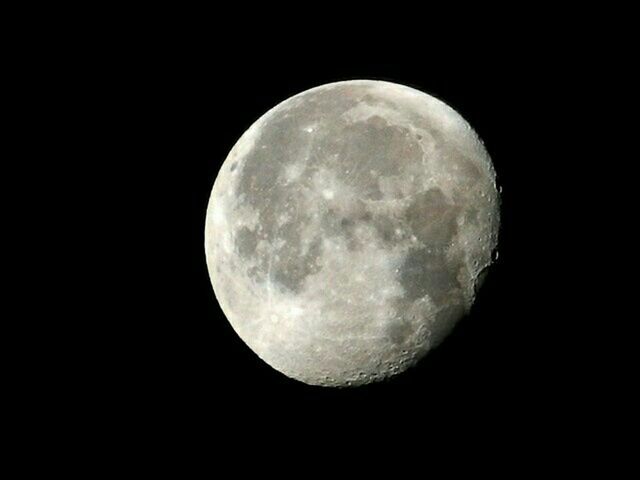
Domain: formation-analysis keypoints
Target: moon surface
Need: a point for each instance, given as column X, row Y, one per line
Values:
column 348, row 228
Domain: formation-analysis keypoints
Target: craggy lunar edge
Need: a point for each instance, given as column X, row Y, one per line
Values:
column 348, row 228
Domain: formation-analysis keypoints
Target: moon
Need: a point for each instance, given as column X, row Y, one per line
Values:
column 348, row 230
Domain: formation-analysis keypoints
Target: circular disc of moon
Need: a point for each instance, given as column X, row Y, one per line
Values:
column 347, row 230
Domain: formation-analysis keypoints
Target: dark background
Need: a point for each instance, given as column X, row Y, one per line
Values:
column 506, row 366
column 135, row 111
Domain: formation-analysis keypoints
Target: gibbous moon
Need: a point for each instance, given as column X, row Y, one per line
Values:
column 347, row 230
